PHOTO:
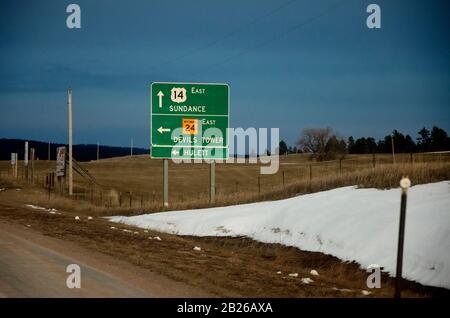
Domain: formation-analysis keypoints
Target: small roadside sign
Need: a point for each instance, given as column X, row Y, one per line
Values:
column 60, row 162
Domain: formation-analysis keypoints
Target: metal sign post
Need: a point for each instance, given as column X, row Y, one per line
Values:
column 166, row 183
column 212, row 181
column 25, row 160
column 405, row 183
column 69, row 102
column 32, row 155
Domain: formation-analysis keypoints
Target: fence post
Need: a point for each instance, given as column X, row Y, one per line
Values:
column 283, row 178
column 340, row 165
column 120, row 199
column 310, row 172
column 131, row 198
column 373, row 160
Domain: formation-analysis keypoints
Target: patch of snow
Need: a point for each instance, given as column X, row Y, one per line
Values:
column 197, row 248
column 113, row 228
column 307, row 280
column 77, row 218
column 36, row 207
column 89, row 217
column 157, row 238
column 293, row 275
column 279, row 273
column 344, row 290
column 365, row 292
column 2, row 189
column 352, row 224
column 314, row 272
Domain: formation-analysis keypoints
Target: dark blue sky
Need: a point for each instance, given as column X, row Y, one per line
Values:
column 290, row 64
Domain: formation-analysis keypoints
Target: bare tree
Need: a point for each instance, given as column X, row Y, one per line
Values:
column 323, row 143
column 314, row 139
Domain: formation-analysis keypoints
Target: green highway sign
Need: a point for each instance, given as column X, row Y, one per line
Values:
column 189, row 120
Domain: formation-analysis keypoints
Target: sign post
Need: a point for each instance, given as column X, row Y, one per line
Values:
column 25, row 160
column 212, row 182
column 32, row 155
column 166, row 183
column 69, row 97
column 405, row 183
column 189, row 121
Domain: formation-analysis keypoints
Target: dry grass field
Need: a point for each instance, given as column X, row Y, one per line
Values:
column 131, row 185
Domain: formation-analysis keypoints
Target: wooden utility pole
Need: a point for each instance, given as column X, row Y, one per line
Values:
column 48, row 155
column 69, row 95
column 98, row 151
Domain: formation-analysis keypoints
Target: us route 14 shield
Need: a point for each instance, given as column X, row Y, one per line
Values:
column 189, row 120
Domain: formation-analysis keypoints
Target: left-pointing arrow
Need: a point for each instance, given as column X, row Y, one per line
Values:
column 163, row 130
column 160, row 95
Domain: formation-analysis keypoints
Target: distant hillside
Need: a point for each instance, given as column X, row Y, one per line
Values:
column 80, row 152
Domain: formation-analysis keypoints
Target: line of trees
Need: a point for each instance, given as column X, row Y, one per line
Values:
column 326, row 144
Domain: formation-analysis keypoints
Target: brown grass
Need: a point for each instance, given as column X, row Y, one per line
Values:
column 382, row 176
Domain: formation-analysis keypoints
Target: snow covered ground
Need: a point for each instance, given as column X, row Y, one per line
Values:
column 352, row 224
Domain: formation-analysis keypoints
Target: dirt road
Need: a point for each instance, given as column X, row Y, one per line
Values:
column 32, row 265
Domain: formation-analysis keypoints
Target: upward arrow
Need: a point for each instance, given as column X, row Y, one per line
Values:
column 160, row 95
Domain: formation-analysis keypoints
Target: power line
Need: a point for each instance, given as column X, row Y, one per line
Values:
column 228, row 35
column 276, row 37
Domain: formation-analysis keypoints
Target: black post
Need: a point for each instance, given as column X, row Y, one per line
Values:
column 404, row 183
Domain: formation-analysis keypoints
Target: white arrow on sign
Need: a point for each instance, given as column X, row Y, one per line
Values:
column 175, row 152
column 163, row 130
column 160, row 95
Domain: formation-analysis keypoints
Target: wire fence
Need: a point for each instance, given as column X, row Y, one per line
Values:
column 290, row 172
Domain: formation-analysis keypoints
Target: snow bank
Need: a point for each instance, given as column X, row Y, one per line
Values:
column 352, row 224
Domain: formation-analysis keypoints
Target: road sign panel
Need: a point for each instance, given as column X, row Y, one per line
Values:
column 189, row 120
